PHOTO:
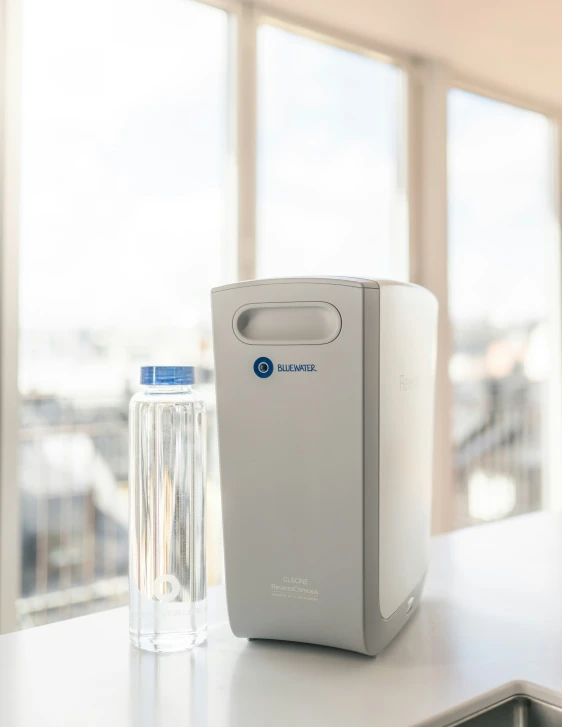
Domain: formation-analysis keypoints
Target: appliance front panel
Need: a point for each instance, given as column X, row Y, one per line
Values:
column 290, row 433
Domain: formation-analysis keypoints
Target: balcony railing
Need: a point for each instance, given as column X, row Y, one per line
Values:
column 498, row 461
column 73, row 482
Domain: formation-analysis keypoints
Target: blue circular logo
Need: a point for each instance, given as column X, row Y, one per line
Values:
column 263, row 367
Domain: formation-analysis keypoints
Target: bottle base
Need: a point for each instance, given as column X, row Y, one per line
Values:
column 168, row 643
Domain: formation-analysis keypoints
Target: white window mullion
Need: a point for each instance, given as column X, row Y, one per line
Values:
column 246, row 140
column 552, row 405
column 427, row 141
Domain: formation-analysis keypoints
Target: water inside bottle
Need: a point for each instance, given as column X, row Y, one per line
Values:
column 166, row 529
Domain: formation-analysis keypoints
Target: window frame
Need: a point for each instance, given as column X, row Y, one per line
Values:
column 551, row 495
column 424, row 165
column 247, row 20
column 10, row 73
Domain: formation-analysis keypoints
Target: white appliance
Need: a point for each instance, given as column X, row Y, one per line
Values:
column 325, row 398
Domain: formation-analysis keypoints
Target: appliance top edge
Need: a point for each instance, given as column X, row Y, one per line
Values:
column 336, row 280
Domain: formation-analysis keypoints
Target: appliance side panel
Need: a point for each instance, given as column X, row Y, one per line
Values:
column 371, row 465
column 408, row 351
column 291, row 473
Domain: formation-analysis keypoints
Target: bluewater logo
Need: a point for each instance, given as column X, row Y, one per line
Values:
column 289, row 368
column 263, row 367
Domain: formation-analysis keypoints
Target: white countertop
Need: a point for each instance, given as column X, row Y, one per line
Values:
column 491, row 614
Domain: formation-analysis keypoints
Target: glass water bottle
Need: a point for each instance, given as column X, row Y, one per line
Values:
column 167, row 573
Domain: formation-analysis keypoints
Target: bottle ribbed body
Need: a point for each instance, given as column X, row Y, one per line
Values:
column 167, row 571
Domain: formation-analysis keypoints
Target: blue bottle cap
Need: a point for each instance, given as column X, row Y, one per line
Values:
column 167, row 375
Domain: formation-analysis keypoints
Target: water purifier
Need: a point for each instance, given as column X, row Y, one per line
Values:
column 325, row 399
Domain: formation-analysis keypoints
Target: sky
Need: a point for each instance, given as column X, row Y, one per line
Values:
column 501, row 203
column 125, row 164
column 329, row 189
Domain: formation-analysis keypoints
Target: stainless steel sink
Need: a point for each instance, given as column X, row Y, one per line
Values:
column 514, row 712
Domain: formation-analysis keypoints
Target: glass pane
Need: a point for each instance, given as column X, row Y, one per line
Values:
column 499, row 227
column 123, row 233
column 330, row 200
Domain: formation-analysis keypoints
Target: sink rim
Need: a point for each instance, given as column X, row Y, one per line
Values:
column 454, row 716
column 507, row 700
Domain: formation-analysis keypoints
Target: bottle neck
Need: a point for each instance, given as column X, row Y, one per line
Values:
column 167, row 389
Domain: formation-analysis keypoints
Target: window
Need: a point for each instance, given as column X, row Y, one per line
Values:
column 122, row 236
column 500, row 223
column 331, row 198
column 125, row 170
